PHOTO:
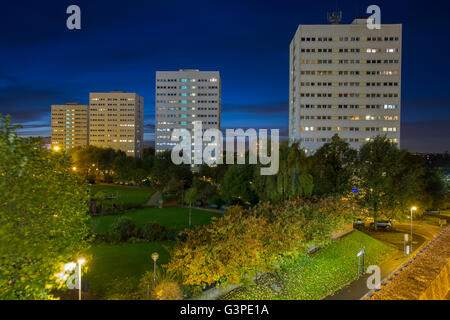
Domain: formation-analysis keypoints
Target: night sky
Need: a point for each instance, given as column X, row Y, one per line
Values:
column 122, row 44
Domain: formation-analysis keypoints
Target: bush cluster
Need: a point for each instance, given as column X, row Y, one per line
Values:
column 124, row 229
column 167, row 286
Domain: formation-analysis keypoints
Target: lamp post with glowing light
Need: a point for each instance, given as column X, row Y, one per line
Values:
column 155, row 257
column 412, row 209
column 80, row 262
column 56, row 148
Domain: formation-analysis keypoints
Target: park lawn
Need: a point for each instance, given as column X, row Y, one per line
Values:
column 131, row 196
column 111, row 267
column 172, row 218
column 315, row 276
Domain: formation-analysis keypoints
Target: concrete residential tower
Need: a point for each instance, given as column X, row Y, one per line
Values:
column 70, row 126
column 117, row 121
column 345, row 80
column 183, row 97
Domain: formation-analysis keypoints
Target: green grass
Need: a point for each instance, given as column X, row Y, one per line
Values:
column 132, row 196
column 172, row 218
column 313, row 277
column 110, row 265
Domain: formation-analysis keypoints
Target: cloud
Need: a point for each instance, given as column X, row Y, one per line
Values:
column 27, row 103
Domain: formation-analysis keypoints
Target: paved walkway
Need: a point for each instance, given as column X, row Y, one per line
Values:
column 358, row 288
column 153, row 201
column 207, row 209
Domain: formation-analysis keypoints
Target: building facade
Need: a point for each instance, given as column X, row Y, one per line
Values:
column 69, row 125
column 345, row 80
column 116, row 120
column 183, row 97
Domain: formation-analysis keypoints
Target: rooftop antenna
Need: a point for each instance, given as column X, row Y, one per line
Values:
column 334, row 17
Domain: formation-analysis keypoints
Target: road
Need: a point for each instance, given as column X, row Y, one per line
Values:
column 357, row 289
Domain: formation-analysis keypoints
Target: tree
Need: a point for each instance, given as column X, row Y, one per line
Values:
column 387, row 179
column 241, row 244
column 292, row 181
column 107, row 164
column 122, row 229
column 191, row 197
column 332, row 167
column 237, row 183
column 433, row 190
column 165, row 171
column 214, row 173
column 426, row 190
column 206, row 188
column 43, row 219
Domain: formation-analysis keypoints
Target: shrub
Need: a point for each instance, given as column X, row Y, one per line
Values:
column 172, row 234
column 167, row 290
column 154, row 231
column 122, row 229
column 123, row 289
column 167, row 286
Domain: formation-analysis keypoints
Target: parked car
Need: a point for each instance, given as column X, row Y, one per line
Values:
column 214, row 206
column 384, row 224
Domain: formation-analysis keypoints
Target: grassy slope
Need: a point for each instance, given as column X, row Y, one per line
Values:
column 112, row 263
column 319, row 275
column 173, row 218
column 127, row 195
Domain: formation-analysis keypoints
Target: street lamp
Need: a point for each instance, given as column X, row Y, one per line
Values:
column 412, row 209
column 56, row 148
column 155, row 257
column 74, row 168
column 80, row 262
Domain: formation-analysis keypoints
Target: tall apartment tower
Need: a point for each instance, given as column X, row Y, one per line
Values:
column 183, row 97
column 70, row 126
column 116, row 120
column 345, row 80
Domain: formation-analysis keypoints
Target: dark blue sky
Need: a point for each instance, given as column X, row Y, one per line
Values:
column 122, row 44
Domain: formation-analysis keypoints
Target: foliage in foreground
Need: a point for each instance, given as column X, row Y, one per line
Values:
column 43, row 218
column 236, row 247
column 167, row 286
column 313, row 277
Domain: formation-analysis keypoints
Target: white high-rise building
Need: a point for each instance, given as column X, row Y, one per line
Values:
column 345, row 80
column 183, row 97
